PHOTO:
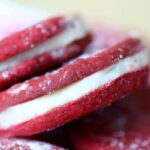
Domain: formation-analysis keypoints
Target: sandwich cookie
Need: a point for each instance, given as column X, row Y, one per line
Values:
column 46, row 102
column 28, row 49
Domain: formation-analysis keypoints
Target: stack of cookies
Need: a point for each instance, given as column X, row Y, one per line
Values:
column 54, row 69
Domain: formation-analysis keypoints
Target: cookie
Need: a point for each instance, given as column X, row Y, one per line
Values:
column 46, row 102
column 40, row 47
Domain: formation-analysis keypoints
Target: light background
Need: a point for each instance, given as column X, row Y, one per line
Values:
column 134, row 14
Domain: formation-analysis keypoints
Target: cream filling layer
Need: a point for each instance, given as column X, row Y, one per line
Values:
column 23, row 112
column 70, row 34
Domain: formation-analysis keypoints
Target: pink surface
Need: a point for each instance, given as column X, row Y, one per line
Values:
column 8, row 25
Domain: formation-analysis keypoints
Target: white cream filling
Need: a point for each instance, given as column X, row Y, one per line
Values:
column 39, row 106
column 70, row 34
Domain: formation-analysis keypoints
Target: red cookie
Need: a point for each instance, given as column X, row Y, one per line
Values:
column 46, row 102
column 21, row 144
column 39, row 48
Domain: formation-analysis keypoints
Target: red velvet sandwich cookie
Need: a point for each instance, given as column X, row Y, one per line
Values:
column 122, row 126
column 46, row 102
column 21, row 144
column 38, row 47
